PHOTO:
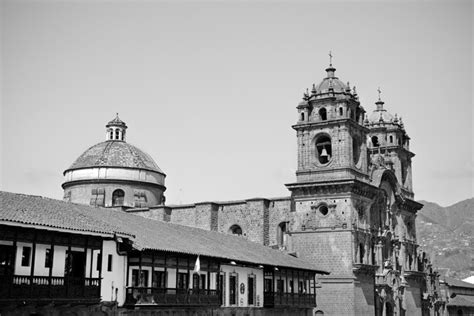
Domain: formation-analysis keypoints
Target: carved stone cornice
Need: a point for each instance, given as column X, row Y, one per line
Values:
column 365, row 269
column 414, row 275
column 333, row 187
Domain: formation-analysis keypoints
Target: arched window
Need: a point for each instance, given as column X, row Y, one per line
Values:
column 235, row 230
column 323, row 114
column 117, row 131
column 341, row 111
column 460, row 313
column 388, row 309
column 404, row 171
column 111, row 135
column 361, row 253
column 375, row 141
column 323, row 149
column 372, row 251
column 118, row 197
column 391, row 139
column 356, row 144
column 302, row 116
column 281, row 234
column 123, row 134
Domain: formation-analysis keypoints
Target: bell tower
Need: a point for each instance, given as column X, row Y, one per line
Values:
column 388, row 137
column 333, row 196
column 330, row 131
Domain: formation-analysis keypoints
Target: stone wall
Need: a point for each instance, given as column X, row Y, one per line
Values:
column 82, row 193
column 336, row 297
column 364, row 297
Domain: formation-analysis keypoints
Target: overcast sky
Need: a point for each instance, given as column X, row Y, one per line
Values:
column 209, row 89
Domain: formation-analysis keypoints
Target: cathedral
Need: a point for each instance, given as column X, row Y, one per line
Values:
column 351, row 209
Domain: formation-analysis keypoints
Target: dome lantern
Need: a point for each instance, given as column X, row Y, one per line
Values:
column 116, row 129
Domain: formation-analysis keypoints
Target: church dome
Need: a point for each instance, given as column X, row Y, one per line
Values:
column 114, row 173
column 115, row 153
column 331, row 82
column 380, row 114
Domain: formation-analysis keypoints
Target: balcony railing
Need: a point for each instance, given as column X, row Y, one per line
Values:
column 171, row 297
column 288, row 299
column 19, row 287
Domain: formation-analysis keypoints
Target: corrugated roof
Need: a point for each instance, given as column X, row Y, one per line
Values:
column 458, row 283
column 145, row 233
column 462, row 301
column 115, row 153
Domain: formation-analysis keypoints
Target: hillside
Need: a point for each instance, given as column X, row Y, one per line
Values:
column 447, row 234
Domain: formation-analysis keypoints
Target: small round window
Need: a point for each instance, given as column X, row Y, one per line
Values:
column 323, row 209
column 235, row 230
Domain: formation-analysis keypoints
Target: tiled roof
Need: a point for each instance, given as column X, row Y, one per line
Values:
column 334, row 83
column 147, row 233
column 458, row 283
column 462, row 301
column 40, row 211
column 116, row 122
column 113, row 153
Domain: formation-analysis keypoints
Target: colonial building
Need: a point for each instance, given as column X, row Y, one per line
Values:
column 59, row 258
column 351, row 209
column 457, row 297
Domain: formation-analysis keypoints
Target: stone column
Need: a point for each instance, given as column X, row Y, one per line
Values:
column 378, row 255
column 403, row 256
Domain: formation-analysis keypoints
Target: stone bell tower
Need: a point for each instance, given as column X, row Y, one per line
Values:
column 330, row 131
column 388, row 137
column 333, row 195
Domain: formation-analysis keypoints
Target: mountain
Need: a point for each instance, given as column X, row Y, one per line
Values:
column 447, row 234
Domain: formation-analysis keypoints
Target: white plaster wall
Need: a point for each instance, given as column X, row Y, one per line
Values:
column 115, row 173
column 40, row 269
column 19, row 270
column 243, row 273
column 59, row 260
column 114, row 279
column 95, row 272
column 171, row 278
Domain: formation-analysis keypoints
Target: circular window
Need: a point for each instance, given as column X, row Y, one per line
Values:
column 235, row 230
column 323, row 209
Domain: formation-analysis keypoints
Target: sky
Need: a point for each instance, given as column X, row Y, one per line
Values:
column 210, row 89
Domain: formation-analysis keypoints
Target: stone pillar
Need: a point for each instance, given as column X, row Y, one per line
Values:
column 378, row 255
column 403, row 256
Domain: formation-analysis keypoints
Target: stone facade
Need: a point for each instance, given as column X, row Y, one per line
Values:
column 351, row 209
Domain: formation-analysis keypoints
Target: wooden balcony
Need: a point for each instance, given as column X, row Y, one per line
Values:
column 44, row 288
column 289, row 299
column 171, row 297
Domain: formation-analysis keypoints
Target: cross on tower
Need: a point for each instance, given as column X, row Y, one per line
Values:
column 379, row 91
column 330, row 58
